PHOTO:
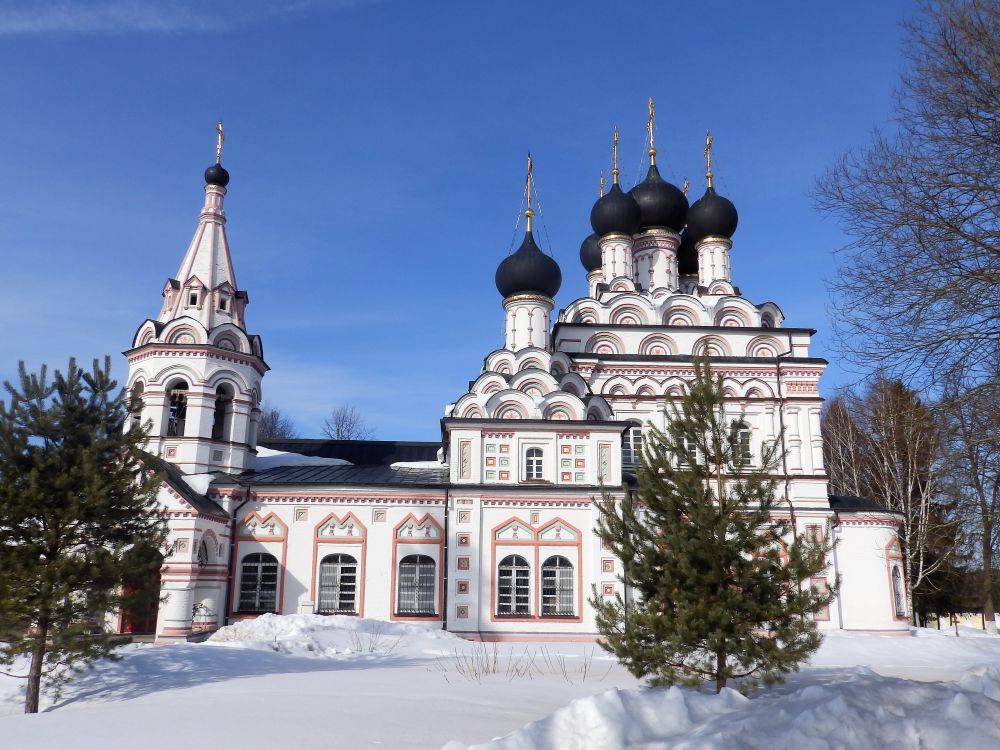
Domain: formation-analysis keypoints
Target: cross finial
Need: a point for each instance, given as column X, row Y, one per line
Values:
column 649, row 129
column 686, row 186
column 614, row 158
column 708, row 157
column 219, row 138
column 601, row 184
column 528, row 213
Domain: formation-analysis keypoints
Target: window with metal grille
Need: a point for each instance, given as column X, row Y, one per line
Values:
column 338, row 585
column 259, row 583
column 514, row 586
column 741, row 444
column 632, row 446
column 177, row 409
column 557, row 587
column 533, row 463
column 416, row 586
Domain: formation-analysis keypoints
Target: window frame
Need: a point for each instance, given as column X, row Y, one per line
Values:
column 342, row 563
column 563, row 587
column 517, row 570
column 421, row 595
column 631, row 447
column 534, row 465
column 742, row 444
column 260, row 559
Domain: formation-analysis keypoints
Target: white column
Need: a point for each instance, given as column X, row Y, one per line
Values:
column 713, row 260
column 174, row 620
column 526, row 321
column 616, row 254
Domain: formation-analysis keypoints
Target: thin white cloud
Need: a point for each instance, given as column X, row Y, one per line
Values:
column 27, row 17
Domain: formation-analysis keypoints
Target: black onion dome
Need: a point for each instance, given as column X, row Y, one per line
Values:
column 687, row 256
column 528, row 270
column 615, row 213
column 216, row 175
column 590, row 253
column 712, row 215
column 660, row 203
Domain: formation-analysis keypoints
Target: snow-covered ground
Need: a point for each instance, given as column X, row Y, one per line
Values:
column 305, row 681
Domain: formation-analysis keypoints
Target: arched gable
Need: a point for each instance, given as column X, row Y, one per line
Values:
column 605, row 343
column 657, row 345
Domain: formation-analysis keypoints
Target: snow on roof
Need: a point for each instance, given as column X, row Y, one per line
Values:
column 418, row 465
column 270, row 459
column 199, row 482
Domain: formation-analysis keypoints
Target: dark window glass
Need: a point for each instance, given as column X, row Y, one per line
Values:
column 259, row 583
column 338, row 585
column 416, row 586
column 514, row 586
column 557, row 586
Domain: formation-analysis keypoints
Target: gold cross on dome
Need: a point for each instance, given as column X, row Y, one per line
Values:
column 220, row 137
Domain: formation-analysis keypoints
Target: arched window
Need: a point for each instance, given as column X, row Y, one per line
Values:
column 259, row 583
column 416, row 586
column 338, row 585
column 632, row 446
column 897, row 592
column 691, row 447
column 203, row 554
column 557, row 587
column 514, row 586
column 223, row 413
column 533, row 463
column 740, row 439
column 135, row 404
column 177, row 409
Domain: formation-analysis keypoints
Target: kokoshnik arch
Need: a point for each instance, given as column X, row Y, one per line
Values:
column 489, row 532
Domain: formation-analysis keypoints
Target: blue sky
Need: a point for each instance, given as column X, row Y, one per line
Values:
column 377, row 156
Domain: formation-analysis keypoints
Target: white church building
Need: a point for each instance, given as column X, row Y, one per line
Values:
column 488, row 533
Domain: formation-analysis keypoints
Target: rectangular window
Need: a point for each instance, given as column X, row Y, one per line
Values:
column 533, row 464
column 222, row 303
column 193, row 299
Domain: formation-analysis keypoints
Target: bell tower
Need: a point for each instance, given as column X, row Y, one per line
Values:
column 194, row 371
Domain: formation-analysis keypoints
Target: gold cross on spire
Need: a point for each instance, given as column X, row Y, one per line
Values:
column 614, row 158
column 708, row 158
column 686, row 186
column 528, row 213
column 649, row 129
column 219, row 138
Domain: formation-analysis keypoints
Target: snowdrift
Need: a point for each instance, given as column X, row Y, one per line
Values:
column 335, row 636
column 864, row 712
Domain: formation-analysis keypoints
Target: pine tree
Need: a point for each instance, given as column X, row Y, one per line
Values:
column 78, row 520
column 701, row 540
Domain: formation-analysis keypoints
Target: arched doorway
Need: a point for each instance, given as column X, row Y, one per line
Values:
column 141, row 592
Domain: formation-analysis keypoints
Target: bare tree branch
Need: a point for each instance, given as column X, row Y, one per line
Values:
column 346, row 423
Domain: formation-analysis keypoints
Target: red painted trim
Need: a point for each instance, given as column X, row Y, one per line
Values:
column 438, row 566
column 361, row 542
column 536, row 543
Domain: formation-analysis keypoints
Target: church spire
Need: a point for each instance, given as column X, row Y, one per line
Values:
column 205, row 285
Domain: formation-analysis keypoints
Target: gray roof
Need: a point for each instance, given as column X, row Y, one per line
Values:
column 175, row 478
column 383, row 476
column 849, row 504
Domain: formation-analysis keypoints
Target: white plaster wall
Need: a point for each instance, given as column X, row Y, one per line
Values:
column 866, row 596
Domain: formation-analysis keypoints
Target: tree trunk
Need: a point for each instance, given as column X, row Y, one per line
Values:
column 720, row 670
column 989, row 618
column 33, row 692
